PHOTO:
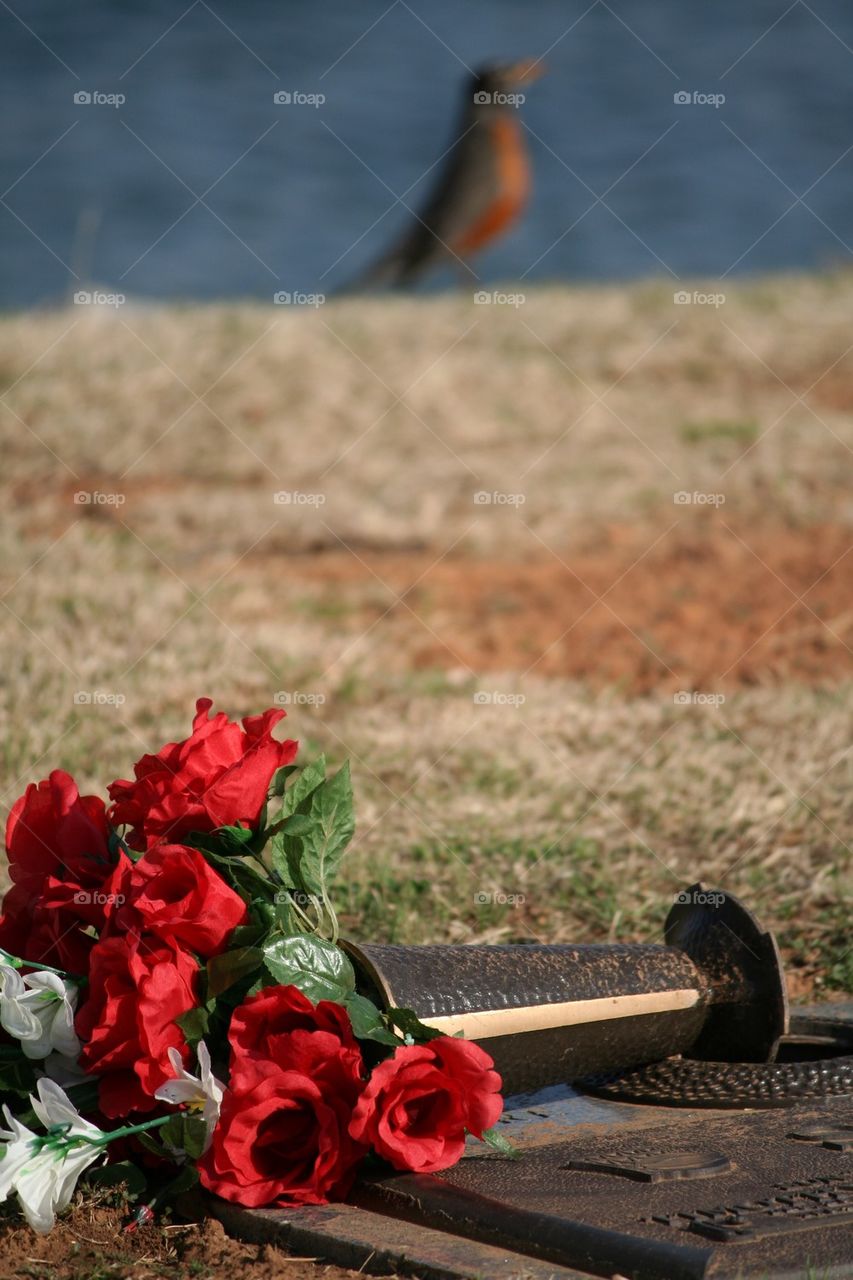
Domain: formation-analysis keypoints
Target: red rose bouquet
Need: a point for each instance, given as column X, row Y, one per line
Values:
column 173, row 997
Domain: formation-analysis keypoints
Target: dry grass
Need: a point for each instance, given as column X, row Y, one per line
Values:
column 596, row 406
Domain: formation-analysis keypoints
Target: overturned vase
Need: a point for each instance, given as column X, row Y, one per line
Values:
column 552, row 1014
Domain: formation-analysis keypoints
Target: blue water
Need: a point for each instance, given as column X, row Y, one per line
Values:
column 300, row 197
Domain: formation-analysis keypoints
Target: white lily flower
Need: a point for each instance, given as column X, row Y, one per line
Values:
column 202, row 1093
column 43, row 1170
column 39, row 1010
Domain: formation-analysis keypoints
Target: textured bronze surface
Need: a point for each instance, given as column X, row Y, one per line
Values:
column 607, row 1189
column 741, row 963
column 823, row 1069
column 717, row 987
column 753, row 1201
column 445, row 980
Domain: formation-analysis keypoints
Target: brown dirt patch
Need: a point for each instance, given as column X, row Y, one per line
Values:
column 91, row 1241
column 701, row 607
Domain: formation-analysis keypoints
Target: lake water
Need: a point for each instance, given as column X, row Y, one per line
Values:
column 198, row 185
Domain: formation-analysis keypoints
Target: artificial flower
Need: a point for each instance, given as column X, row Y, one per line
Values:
column 202, row 1093
column 219, row 776
column 172, row 892
column 283, row 1132
column 38, row 1010
column 43, row 1170
column 418, row 1105
column 138, row 987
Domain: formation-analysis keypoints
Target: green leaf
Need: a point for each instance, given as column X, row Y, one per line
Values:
column 150, row 1143
column 17, row 1074
column 114, row 1175
column 185, row 1132
column 499, row 1143
column 314, row 854
column 298, row 824
column 193, row 1023
column 284, row 913
column 309, row 779
column 185, row 1181
column 410, row 1024
column 230, row 967
column 279, row 780
column 246, row 935
column 234, row 839
column 241, row 875
column 367, row 1021
column 318, row 968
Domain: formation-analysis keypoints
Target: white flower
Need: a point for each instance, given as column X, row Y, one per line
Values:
column 202, row 1093
column 38, row 1010
column 43, row 1170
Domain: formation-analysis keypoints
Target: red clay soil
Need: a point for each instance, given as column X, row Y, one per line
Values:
column 91, row 1242
column 702, row 608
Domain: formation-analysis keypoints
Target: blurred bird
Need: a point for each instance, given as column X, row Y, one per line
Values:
column 481, row 189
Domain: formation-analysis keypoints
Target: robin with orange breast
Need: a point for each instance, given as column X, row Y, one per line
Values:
column 482, row 188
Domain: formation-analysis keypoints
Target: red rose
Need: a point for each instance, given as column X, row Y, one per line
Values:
column 283, row 1131
column 217, row 777
column 260, row 1028
column 57, row 843
column 173, row 892
column 138, row 986
column 418, row 1105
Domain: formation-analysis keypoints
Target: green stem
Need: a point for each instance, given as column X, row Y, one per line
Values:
column 128, row 1131
column 18, row 963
